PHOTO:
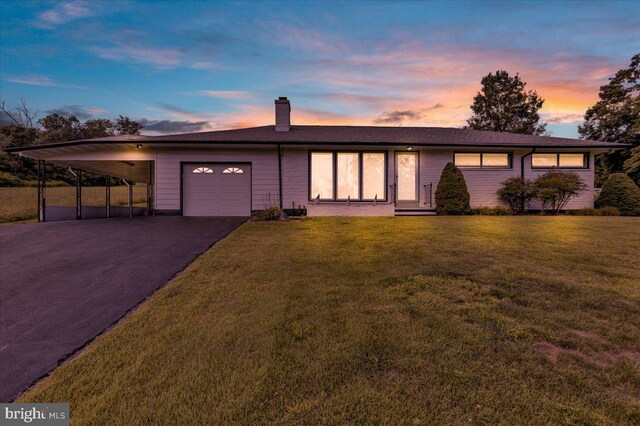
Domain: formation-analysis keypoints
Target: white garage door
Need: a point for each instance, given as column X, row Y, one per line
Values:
column 216, row 189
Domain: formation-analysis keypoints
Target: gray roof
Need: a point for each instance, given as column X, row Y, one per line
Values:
column 355, row 135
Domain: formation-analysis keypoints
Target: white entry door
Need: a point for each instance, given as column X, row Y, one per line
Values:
column 216, row 189
column 407, row 177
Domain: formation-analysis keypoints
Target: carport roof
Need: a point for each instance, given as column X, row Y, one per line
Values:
column 338, row 135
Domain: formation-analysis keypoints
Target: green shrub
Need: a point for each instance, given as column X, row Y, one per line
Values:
column 452, row 196
column 270, row 213
column 555, row 188
column 621, row 192
column 491, row 211
column 516, row 192
column 604, row 211
column 7, row 179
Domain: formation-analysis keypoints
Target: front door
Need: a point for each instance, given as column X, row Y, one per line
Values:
column 407, row 177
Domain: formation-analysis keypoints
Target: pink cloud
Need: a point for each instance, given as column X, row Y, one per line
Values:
column 227, row 94
column 63, row 13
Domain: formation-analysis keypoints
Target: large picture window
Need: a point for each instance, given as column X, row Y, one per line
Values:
column 482, row 159
column 348, row 176
column 564, row 160
column 340, row 176
column 373, row 176
column 322, row 175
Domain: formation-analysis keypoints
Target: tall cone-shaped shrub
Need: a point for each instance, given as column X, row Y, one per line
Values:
column 621, row 192
column 452, row 196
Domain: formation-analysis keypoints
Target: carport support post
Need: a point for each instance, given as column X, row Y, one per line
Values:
column 150, row 192
column 42, row 189
column 130, row 191
column 78, row 194
column 107, row 201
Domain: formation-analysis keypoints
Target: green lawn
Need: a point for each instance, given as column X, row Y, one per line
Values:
column 22, row 203
column 451, row 320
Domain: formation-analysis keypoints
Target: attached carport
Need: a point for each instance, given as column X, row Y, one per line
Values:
column 122, row 157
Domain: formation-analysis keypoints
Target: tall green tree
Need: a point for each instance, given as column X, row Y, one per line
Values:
column 615, row 118
column 632, row 165
column 503, row 105
column 126, row 126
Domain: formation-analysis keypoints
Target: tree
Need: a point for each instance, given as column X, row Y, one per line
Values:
column 555, row 188
column 97, row 128
column 632, row 165
column 503, row 105
column 615, row 118
column 516, row 192
column 126, row 126
column 12, row 135
column 621, row 192
column 58, row 128
column 452, row 195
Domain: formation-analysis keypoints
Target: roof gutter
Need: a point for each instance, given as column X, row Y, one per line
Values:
column 476, row 145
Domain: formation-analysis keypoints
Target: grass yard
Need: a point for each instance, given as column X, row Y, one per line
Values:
column 450, row 320
column 22, row 203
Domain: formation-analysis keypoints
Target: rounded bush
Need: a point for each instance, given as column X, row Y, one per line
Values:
column 516, row 192
column 452, row 195
column 270, row 213
column 621, row 192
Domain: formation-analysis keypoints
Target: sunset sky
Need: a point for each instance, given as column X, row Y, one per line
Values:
column 195, row 66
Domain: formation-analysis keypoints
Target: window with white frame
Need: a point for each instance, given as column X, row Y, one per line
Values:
column 322, row 175
column 482, row 159
column 373, row 175
column 561, row 160
column 340, row 176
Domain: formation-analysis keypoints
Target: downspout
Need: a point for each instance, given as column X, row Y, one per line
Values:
column 522, row 171
column 280, row 173
column 522, row 162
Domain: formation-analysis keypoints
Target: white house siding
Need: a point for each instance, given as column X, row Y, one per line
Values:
column 483, row 183
column 264, row 173
column 582, row 201
column 431, row 164
column 295, row 177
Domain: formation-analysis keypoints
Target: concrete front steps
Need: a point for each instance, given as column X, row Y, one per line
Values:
column 414, row 211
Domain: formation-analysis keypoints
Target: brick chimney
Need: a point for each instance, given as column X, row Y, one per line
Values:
column 283, row 114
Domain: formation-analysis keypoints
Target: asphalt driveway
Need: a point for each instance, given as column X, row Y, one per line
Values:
column 61, row 284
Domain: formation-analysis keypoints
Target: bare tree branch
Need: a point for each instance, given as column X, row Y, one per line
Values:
column 26, row 115
column 9, row 114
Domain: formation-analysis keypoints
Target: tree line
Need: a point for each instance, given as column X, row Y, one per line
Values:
column 22, row 132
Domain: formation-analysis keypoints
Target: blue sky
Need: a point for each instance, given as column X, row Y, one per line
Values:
column 195, row 66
